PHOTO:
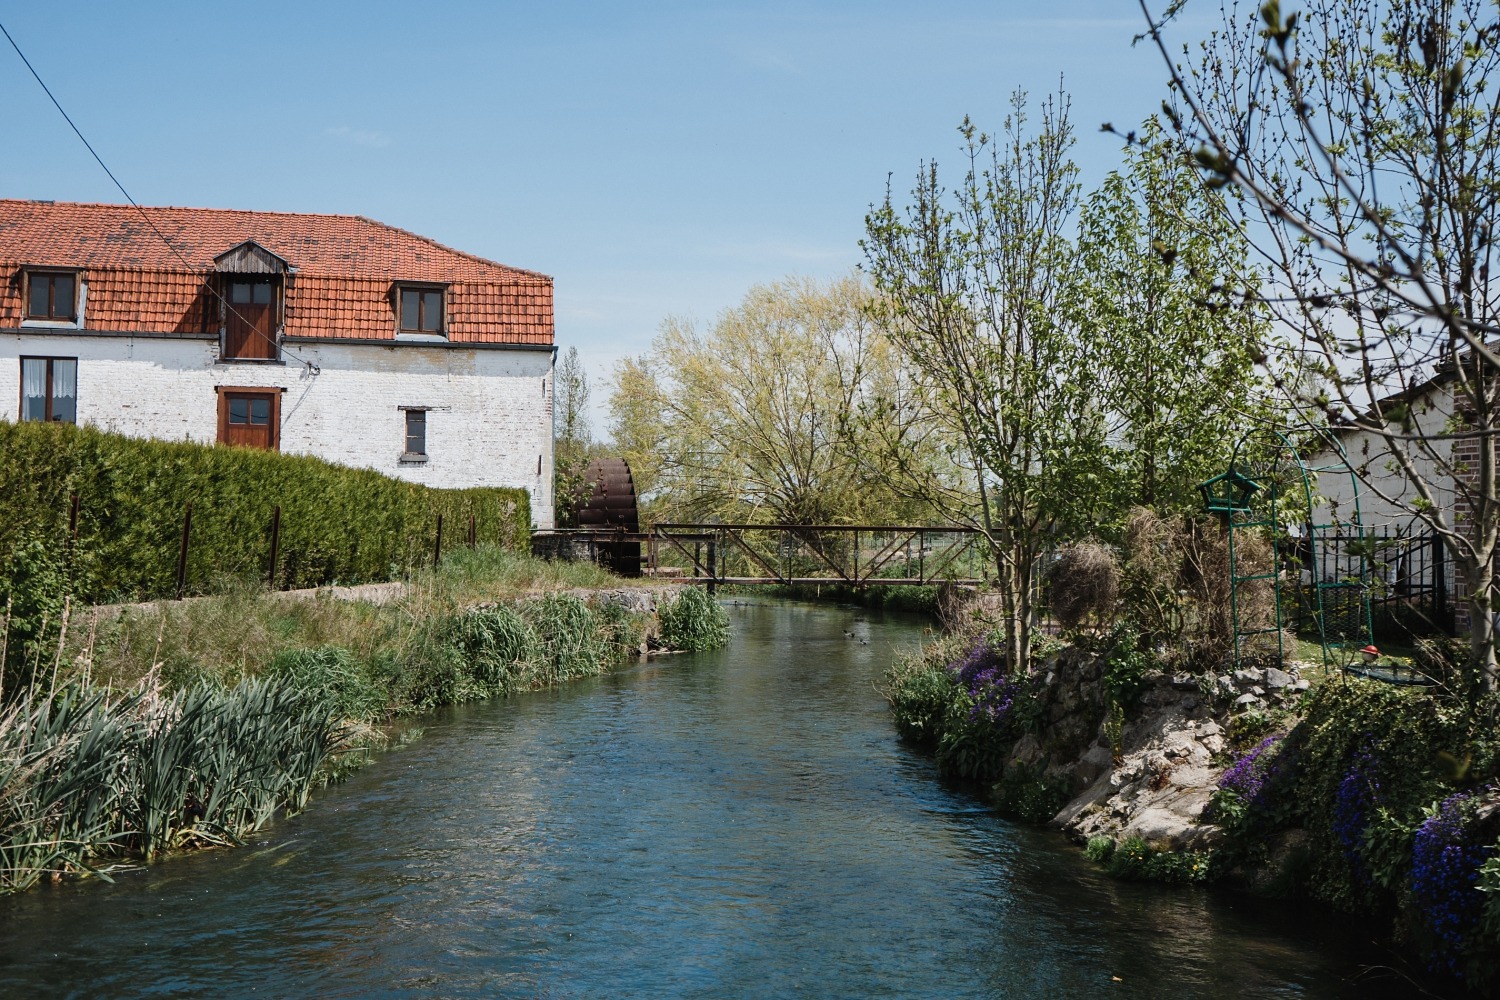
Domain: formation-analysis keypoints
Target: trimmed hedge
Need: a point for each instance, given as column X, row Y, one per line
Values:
column 337, row 524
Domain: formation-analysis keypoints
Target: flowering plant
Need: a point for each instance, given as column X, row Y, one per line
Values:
column 1445, row 877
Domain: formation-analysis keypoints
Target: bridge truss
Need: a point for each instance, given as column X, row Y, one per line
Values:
column 853, row 555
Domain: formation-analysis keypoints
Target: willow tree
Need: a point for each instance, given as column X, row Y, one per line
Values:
column 749, row 418
column 1363, row 137
column 1181, row 362
column 974, row 285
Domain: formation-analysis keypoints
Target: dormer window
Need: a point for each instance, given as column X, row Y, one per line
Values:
column 421, row 310
column 52, row 296
column 252, row 282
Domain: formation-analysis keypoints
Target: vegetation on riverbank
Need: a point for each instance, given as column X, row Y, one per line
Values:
column 178, row 725
column 1372, row 799
column 133, row 499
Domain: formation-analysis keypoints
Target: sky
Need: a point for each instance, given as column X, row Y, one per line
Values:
column 657, row 159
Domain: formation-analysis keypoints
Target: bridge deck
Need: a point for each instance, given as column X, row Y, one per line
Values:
column 748, row 554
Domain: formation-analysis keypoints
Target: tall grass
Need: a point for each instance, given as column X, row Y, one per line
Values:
column 234, row 706
column 91, row 778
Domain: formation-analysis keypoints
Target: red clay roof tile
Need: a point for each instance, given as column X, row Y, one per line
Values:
column 343, row 270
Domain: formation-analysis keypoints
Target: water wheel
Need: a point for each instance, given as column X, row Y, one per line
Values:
column 611, row 506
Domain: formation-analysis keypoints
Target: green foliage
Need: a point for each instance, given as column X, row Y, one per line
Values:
column 495, row 644
column 919, row 692
column 971, row 746
column 1133, row 860
column 694, row 621
column 1030, row 795
column 332, row 674
column 88, row 778
column 1099, row 849
column 1125, row 667
column 1368, row 765
column 337, row 524
column 1179, row 373
column 751, row 419
column 574, row 447
column 32, row 585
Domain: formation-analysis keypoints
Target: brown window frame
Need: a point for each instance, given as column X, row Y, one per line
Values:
column 225, row 391
column 421, row 291
column 52, row 316
column 407, row 455
column 47, row 408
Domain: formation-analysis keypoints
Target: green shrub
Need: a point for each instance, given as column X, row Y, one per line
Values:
column 1030, row 795
column 337, row 524
column 496, row 644
column 919, row 693
column 332, row 673
column 694, row 621
column 1133, row 860
column 1099, row 849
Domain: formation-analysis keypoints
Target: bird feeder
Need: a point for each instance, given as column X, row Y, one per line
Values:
column 1228, row 493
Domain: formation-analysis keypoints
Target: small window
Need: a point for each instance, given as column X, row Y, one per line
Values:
column 52, row 295
column 416, row 434
column 422, row 310
column 49, row 389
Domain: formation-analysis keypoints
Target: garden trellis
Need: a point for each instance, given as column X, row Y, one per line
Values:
column 1338, row 591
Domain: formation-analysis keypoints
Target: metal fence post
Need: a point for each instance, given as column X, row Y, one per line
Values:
column 182, row 551
column 275, row 544
column 437, row 545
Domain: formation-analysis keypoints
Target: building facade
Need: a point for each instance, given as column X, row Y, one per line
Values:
column 333, row 336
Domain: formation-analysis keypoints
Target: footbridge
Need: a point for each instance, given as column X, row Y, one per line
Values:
column 786, row 554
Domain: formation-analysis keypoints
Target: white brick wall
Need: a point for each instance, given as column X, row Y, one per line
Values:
column 489, row 420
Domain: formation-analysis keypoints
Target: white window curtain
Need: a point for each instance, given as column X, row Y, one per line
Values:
column 65, row 390
column 33, row 388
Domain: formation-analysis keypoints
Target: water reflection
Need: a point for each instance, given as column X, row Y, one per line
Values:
column 736, row 824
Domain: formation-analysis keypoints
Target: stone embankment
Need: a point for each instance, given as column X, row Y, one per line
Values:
column 1153, row 776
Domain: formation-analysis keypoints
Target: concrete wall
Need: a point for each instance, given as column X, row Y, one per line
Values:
column 489, row 420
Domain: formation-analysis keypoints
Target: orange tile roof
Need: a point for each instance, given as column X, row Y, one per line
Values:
column 343, row 269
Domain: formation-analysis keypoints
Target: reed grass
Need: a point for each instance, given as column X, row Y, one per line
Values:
column 187, row 724
column 90, row 778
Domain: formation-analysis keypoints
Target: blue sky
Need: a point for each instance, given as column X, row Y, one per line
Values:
column 655, row 158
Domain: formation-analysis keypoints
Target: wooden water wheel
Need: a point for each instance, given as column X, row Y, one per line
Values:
column 611, row 507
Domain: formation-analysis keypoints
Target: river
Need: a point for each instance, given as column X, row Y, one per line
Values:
column 732, row 824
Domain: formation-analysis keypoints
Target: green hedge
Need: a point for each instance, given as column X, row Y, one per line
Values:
column 337, row 524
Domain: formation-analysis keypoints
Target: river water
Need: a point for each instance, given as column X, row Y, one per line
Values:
column 733, row 824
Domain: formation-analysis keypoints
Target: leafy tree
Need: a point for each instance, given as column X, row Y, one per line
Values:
column 1177, row 363
column 574, row 446
column 750, row 419
column 974, row 287
column 1363, row 139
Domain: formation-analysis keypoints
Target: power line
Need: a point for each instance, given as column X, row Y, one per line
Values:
column 143, row 213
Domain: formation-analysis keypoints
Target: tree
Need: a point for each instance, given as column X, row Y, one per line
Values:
column 1177, row 362
column 973, row 290
column 750, row 419
column 1363, row 138
column 572, row 437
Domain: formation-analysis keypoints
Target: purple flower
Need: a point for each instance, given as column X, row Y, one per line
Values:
column 1248, row 776
column 1357, row 796
column 982, row 674
column 1446, row 859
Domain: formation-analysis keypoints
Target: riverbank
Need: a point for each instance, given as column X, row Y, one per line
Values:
column 180, row 725
column 740, row 823
column 1372, row 800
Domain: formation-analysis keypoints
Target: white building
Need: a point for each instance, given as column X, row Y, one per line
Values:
column 326, row 335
